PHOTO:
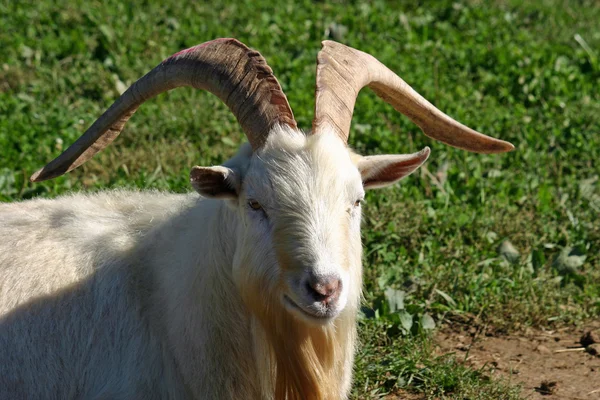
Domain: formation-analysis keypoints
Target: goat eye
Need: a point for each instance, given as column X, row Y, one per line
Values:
column 357, row 203
column 255, row 205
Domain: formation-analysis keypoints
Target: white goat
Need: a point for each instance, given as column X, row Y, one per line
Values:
column 247, row 292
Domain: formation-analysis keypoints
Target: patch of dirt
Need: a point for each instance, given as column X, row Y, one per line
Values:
column 547, row 364
column 403, row 395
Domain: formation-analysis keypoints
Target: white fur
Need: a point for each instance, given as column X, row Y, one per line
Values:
column 147, row 295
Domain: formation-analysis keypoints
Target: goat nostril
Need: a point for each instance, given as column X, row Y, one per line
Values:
column 331, row 287
column 323, row 290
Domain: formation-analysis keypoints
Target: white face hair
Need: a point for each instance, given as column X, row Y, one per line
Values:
column 299, row 199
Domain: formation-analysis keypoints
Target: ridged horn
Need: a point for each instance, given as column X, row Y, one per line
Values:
column 239, row 76
column 343, row 71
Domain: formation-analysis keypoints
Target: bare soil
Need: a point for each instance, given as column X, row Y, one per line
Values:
column 403, row 395
column 548, row 364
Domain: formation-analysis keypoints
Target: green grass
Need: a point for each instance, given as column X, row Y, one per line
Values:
column 524, row 73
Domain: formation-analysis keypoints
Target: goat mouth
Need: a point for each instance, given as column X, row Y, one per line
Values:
column 309, row 315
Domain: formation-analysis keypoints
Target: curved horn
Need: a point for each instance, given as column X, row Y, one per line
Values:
column 342, row 72
column 239, row 76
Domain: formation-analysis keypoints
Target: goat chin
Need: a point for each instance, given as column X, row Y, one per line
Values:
column 305, row 358
column 115, row 295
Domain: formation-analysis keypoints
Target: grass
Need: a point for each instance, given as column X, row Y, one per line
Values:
column 525, row 73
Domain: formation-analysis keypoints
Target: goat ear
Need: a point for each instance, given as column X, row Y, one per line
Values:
column 216, row 182
column 385, row 170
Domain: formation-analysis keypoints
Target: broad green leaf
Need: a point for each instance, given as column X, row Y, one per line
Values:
column 226, row 140
column 446, row 297
column 406, row 321
column 509, row 252
column 427, row 322
column 395, row 299
column 491, row 236
column 569, row 260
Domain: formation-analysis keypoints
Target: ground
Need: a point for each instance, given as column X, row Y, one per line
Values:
column 547, row 364
column 511, row 241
